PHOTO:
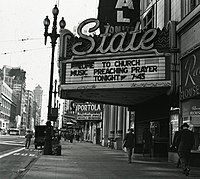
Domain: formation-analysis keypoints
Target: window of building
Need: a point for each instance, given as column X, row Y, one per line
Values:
column 194, row 3
column 191, row 117
column 189, row 5
column 148, row 20
column 197, row 138
column 146, row 3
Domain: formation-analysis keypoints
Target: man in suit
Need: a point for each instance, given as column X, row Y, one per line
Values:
column 186, row 142
column 175, row 144
column 129, row 143
column 147, row 141
column 28, row 139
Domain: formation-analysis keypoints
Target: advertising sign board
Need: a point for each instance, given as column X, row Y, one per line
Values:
column 130, row 69
column 190, row 79
column 191, row 111
column 119, row 14
column 89, row 111
column 95, row 67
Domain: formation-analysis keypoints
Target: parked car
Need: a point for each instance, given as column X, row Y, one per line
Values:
column 39, row 136
column 13, row 131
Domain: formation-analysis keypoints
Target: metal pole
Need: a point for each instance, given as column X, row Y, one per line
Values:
column 51, row 82
column 49, row 130
column 48, row 137
column 53, row 35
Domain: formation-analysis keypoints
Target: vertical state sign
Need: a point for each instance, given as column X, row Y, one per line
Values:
column 89, row 111
column 120, row 14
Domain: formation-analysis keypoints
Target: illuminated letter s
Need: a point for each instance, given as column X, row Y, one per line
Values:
column 79, row 30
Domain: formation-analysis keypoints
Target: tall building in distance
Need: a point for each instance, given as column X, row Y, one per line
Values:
column 38, row 92
column 15, row 78
column 7, row 106
column 29, row 109
column 19, row 107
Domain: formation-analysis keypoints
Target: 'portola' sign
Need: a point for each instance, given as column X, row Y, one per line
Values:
column 109, row 41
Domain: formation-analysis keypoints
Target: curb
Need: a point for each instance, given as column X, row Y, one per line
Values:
column 21, row 172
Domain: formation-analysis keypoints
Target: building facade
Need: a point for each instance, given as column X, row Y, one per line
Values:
column 29, row 109
column 38, row 92
column 188, row 32
column 15, row 77
column 23, row 107
column 147, row 75
column 36, row 114
column 7, row 107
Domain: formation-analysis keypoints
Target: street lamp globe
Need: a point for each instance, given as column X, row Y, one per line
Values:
column 55, row 10
column 46, row 21
column 62, row 23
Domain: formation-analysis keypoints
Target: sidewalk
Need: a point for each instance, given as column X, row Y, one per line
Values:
column 90, row 161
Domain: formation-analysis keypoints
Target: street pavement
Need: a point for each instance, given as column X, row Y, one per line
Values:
column 14, row 158
column 89, row 161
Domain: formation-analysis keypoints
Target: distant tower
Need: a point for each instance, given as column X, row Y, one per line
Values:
column 29, row 109
column 38, row 92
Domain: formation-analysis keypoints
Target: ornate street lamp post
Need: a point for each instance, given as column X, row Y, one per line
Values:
column 53, row 35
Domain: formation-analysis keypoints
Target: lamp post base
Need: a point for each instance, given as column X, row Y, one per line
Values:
column 48, row 147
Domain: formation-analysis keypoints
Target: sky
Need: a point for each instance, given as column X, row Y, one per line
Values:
column 22, row 39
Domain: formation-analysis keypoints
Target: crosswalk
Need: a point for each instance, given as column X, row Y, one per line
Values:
column 28, row 153
column 23, row 152
column 13, row 142
column 10, row 153
column 15, row 146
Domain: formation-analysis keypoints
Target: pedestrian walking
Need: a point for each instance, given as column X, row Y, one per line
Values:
column 81, row 136
column 147, row 141
column 28, row 137
column 77, row 136
column 185, row 142
column 71, row 137
column 129, row 143
column 175, row 144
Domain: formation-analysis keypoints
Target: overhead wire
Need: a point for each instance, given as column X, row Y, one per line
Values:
column 22, row 51
column 27, row 39
column 23, row 39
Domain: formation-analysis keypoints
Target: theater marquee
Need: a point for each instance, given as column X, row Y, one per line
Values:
column 125, row 70
column 98, row 67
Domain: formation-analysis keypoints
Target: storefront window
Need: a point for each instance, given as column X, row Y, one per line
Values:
column 191, row 115
column 174, row 123
column 155, row 129
column 197, row 138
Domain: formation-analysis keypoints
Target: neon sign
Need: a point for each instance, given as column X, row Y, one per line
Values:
column 146, row 39
column 190, row 81
column 109, row 41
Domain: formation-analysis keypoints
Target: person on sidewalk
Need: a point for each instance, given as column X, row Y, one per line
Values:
column 129, row 143
column 175, row 144
column 147, row 141
column 28, row 137
column 186, row 142
column 48, row 139
column 71, row 137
